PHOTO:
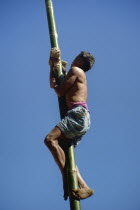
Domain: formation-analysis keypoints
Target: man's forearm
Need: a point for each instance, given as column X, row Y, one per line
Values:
column 53, row 84
column 52, row 76
column 58, row 89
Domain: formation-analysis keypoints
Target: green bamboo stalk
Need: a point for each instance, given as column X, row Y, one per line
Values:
column 70, row 156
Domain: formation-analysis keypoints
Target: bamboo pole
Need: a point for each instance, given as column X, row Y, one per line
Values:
column 70, row 156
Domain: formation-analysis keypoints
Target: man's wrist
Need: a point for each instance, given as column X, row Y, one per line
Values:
column 55, row 85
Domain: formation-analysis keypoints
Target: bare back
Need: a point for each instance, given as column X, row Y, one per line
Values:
column 78, row 91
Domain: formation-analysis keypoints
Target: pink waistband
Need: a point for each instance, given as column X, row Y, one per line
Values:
column 82, row 103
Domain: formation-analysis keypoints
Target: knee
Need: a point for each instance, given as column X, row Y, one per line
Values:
column 49, row 141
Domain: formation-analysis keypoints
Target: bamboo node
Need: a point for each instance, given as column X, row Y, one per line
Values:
column 49, row 6
column 54, row 34
column 72, row 171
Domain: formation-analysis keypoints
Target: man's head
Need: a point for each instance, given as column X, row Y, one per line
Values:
column 84, row 61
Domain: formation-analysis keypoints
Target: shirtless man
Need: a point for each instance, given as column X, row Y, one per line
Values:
column 76, row 122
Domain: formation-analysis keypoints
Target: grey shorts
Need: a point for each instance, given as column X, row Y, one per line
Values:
column 75, row 124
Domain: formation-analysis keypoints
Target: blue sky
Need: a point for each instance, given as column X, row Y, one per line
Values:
column 108, row 156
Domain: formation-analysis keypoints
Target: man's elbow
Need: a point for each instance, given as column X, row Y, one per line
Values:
column 59, row 92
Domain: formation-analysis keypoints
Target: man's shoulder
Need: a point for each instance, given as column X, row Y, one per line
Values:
column 78, row 73
column 76, row 70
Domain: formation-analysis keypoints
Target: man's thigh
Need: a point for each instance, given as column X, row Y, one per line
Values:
column 55, row 134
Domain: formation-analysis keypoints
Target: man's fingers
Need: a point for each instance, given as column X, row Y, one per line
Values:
column 55, row 52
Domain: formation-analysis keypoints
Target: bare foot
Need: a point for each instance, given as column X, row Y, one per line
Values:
column 82, row 193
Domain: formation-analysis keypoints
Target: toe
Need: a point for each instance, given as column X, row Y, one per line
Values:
column 75, row 195
column 74, row 190
column 65, row 197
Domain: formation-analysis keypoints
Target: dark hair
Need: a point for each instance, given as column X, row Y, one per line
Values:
column 88, row 59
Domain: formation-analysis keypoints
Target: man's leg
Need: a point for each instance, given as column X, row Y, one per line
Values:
column 81, row 182
column 84, row 191
column 51, row 141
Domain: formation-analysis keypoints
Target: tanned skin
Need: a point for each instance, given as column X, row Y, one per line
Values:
column 74, row 88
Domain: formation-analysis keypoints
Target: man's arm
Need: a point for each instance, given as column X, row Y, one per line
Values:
column 52, row 78
column 54, row 61
column 66, row 85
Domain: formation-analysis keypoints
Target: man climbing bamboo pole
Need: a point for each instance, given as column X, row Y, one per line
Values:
column 68, row 132
column 77, row 120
